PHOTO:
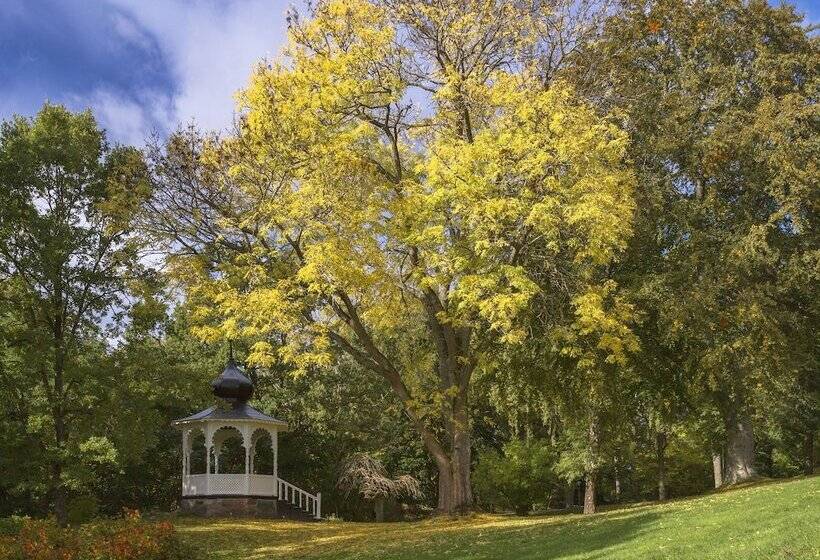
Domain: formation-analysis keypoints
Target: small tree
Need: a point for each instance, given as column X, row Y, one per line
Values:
column 367, row 477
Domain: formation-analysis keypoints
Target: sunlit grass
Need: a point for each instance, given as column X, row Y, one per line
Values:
column 764, row 521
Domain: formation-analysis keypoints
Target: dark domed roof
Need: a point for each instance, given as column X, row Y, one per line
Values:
column 232, row 385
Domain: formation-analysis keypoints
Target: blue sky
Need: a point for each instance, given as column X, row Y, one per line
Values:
column 143, row 65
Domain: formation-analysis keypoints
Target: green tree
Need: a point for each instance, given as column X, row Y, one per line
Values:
column 720, row 103
column 66, row 251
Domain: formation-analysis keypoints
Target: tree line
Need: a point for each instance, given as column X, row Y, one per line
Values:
column 517, row 250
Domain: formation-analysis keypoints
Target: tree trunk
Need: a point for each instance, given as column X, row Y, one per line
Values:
column 58, row 493
column 740, row 448
column 661, row 441
column 378, row 509
column 717, row 468
column 58, row 411
column 590, row 505
column 455, row 494
column 569, row 495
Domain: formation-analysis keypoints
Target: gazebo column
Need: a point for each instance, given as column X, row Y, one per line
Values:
column 274, row 444
column 217, row 453
column 246, row 443
column 185, row 468
column 209, row 442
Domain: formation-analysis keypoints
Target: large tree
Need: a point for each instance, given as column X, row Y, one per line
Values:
column 720, row 102
column 384, row 192
column 65, row 254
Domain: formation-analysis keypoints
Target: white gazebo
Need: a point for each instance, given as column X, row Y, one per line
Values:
column 244, row 493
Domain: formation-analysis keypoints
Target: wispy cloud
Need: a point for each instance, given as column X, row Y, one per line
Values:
column 141, row 65
column 212, row 48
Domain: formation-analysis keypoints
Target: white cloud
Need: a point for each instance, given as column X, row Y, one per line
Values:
column 128, row 120
column 212, row 47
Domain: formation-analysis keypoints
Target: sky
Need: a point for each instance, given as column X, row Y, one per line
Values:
column 143, row 66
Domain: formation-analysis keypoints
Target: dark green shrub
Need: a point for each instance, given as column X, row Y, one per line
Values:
column 82, row 509
column 517, row 479
column 10, row 526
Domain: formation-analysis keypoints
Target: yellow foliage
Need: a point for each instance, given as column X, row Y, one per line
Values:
column 358, row 197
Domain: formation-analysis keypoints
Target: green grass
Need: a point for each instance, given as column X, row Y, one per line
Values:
column 768, row 520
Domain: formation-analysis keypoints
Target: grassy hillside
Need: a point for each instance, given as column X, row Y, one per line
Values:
column 766, row 521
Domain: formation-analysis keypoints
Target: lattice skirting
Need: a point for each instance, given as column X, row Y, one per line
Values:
column 229, row 506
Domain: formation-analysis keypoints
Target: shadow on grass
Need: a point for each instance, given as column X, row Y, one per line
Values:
column 642, row 530
column 542, row 538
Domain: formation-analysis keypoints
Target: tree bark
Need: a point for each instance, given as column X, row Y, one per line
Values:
column 590, row 505
column 58, row 411
column 455, row 495
column 58, row 493
column 717, row 468
column 661, row 441
column 740, row 448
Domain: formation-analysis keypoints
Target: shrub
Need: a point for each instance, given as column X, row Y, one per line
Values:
column 10, row 526
column 125, row 539
column 518, row 478
column 82, row 509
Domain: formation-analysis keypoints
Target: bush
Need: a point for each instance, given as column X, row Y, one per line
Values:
column 125, row 539
column 82, row 509
column 519, row 478
column 10, row 526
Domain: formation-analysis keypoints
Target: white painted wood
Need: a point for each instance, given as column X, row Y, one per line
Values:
column 247, row 484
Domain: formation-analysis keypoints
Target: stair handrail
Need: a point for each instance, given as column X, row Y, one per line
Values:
column 300, row 498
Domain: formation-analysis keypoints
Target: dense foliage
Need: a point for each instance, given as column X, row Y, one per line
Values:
column 126, row 539
column 570, row 258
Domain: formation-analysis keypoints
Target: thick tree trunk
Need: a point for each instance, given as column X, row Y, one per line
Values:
column 717, row 468
column 569, row 495
column 455, row 495
column 590, row 505
column 454, row 492
column 661, row 441
column 740, row 448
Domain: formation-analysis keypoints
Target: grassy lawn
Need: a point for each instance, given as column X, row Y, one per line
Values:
column 765, row 521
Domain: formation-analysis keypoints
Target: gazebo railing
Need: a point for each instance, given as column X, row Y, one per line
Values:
column 224, row 484
column 300, row 498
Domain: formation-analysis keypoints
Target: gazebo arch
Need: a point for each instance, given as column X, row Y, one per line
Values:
column 246, row 493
